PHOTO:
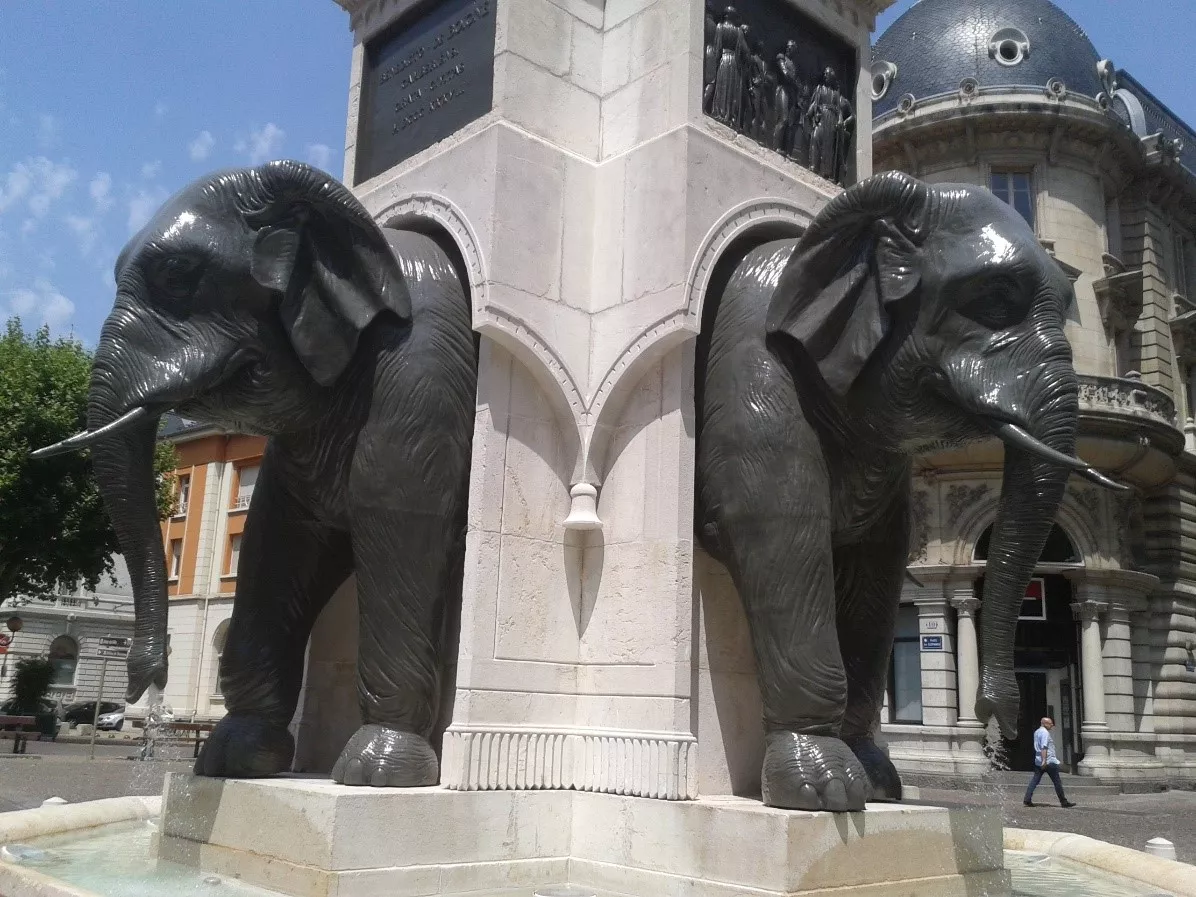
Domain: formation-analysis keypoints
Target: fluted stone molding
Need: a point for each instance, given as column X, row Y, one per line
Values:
column 967, row 656
column 657, row 765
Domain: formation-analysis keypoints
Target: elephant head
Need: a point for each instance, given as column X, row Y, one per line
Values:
column 240, row 303
column 933, row 316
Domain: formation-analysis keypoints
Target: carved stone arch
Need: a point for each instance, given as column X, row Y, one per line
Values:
column 622, row 378
column 417, row 210
column 766, row 218
column 1069, row 518
column 427, row 211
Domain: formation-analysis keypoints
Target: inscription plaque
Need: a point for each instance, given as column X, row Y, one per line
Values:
column 425, row 77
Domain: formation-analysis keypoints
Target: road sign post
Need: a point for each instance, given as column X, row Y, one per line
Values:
column 111, row 648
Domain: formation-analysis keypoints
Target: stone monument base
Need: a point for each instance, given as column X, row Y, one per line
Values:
column 309, row 836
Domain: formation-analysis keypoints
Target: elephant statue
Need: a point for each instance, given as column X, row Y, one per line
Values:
column 266, row 300
column 906, row 318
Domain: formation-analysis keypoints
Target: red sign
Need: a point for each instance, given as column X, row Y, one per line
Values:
column 5, row 641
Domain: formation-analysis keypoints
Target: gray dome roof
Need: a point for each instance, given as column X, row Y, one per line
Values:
column 936, row 44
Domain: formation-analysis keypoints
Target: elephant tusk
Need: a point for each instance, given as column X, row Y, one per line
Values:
column 89, row 437
column 1014, row 435
column 1095, row 476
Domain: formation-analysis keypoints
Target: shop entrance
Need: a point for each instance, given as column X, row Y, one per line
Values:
column 1046, row 656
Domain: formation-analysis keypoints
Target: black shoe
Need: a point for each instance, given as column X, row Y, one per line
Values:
column 1027, row 803
column 1067, row 805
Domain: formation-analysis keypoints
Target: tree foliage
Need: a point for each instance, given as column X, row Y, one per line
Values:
column 30, row 685
column 54, row 532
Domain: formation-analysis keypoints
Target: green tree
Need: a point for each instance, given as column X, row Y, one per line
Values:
column 54, row 532
column 30, row 685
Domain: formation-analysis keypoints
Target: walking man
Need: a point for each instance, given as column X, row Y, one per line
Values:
column 1045, row 761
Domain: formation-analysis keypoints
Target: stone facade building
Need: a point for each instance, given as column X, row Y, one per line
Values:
column 214, row 482
column 1012, row 95
column 67, row 629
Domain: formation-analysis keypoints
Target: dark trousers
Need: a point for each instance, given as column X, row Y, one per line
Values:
column 1052, row 770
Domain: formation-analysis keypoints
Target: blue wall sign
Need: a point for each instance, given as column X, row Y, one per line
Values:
column 932, row 643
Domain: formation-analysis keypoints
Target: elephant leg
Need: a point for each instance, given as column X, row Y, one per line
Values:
column 403, row 564
column 779, row 555
column 291, row 564
column 869, row 575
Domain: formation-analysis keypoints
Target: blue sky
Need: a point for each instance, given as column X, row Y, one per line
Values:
column 107, row 108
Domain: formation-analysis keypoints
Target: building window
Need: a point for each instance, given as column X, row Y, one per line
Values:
column 1034, row 602
column 182, row 495
column 176, row 557
column 234, row 555
column 64, row 658
column 246, row 480
column 1015, row 188
column 1183, row 267
column 905, row 669
column 1059, row 549
column 218, row 641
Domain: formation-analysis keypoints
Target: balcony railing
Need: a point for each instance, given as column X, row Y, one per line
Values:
column 241, row 502
column 180, row 510
column 1127, row 396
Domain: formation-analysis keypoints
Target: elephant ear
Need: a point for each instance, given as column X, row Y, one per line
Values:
column 861, row 254
column 318, row 247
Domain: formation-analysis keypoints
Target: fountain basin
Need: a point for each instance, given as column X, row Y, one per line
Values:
column 312, row 838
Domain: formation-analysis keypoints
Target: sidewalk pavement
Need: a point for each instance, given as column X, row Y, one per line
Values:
column 1129, row 820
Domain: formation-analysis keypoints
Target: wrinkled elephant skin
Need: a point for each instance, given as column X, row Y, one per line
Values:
column 267, row 300
column 906, row 318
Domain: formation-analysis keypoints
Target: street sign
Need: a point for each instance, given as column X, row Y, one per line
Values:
column 108, row 641
column 113, row 653
column 5, row 641
column 932, row 643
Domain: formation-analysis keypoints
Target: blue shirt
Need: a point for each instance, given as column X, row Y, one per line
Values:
column 1043, row 739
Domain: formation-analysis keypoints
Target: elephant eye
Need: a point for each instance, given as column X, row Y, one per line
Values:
column 179, row 274
column 997, row 304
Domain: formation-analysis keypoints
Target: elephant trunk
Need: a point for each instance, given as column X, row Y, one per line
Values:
column 1032, row 490
column 123, row 460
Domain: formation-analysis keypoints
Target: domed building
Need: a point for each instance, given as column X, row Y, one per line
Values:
column 1012, row 95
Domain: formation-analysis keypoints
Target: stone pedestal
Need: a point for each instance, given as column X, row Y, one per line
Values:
column 309, row 837
column 561, row 152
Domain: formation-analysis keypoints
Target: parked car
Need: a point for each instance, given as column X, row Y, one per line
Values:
column 47, row 715
column 111, row 722
column 84, row 713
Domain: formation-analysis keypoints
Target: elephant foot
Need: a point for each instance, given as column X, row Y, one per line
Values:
column 245, row 746
column 886, row 783
column 386, row 758
column 812, row 772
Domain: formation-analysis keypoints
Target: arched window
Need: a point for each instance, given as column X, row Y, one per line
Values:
column 64, row 657
column 1058, row 549
column 218, row 640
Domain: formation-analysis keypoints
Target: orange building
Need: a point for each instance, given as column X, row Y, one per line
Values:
column 213, row 484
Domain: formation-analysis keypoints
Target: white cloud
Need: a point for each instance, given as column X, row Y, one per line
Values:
column 37, row 180
column 85, row 231
column 47, row 130
column 43, row 303
column 201, row 147
column 319, row 155
column 150, row 170
column 262, row 144
column 100, row 189
column 143, row 205
column 160, row 109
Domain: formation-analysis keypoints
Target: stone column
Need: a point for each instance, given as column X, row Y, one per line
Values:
column 1118, row 670
column 1095, row 727
column 967, row 657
